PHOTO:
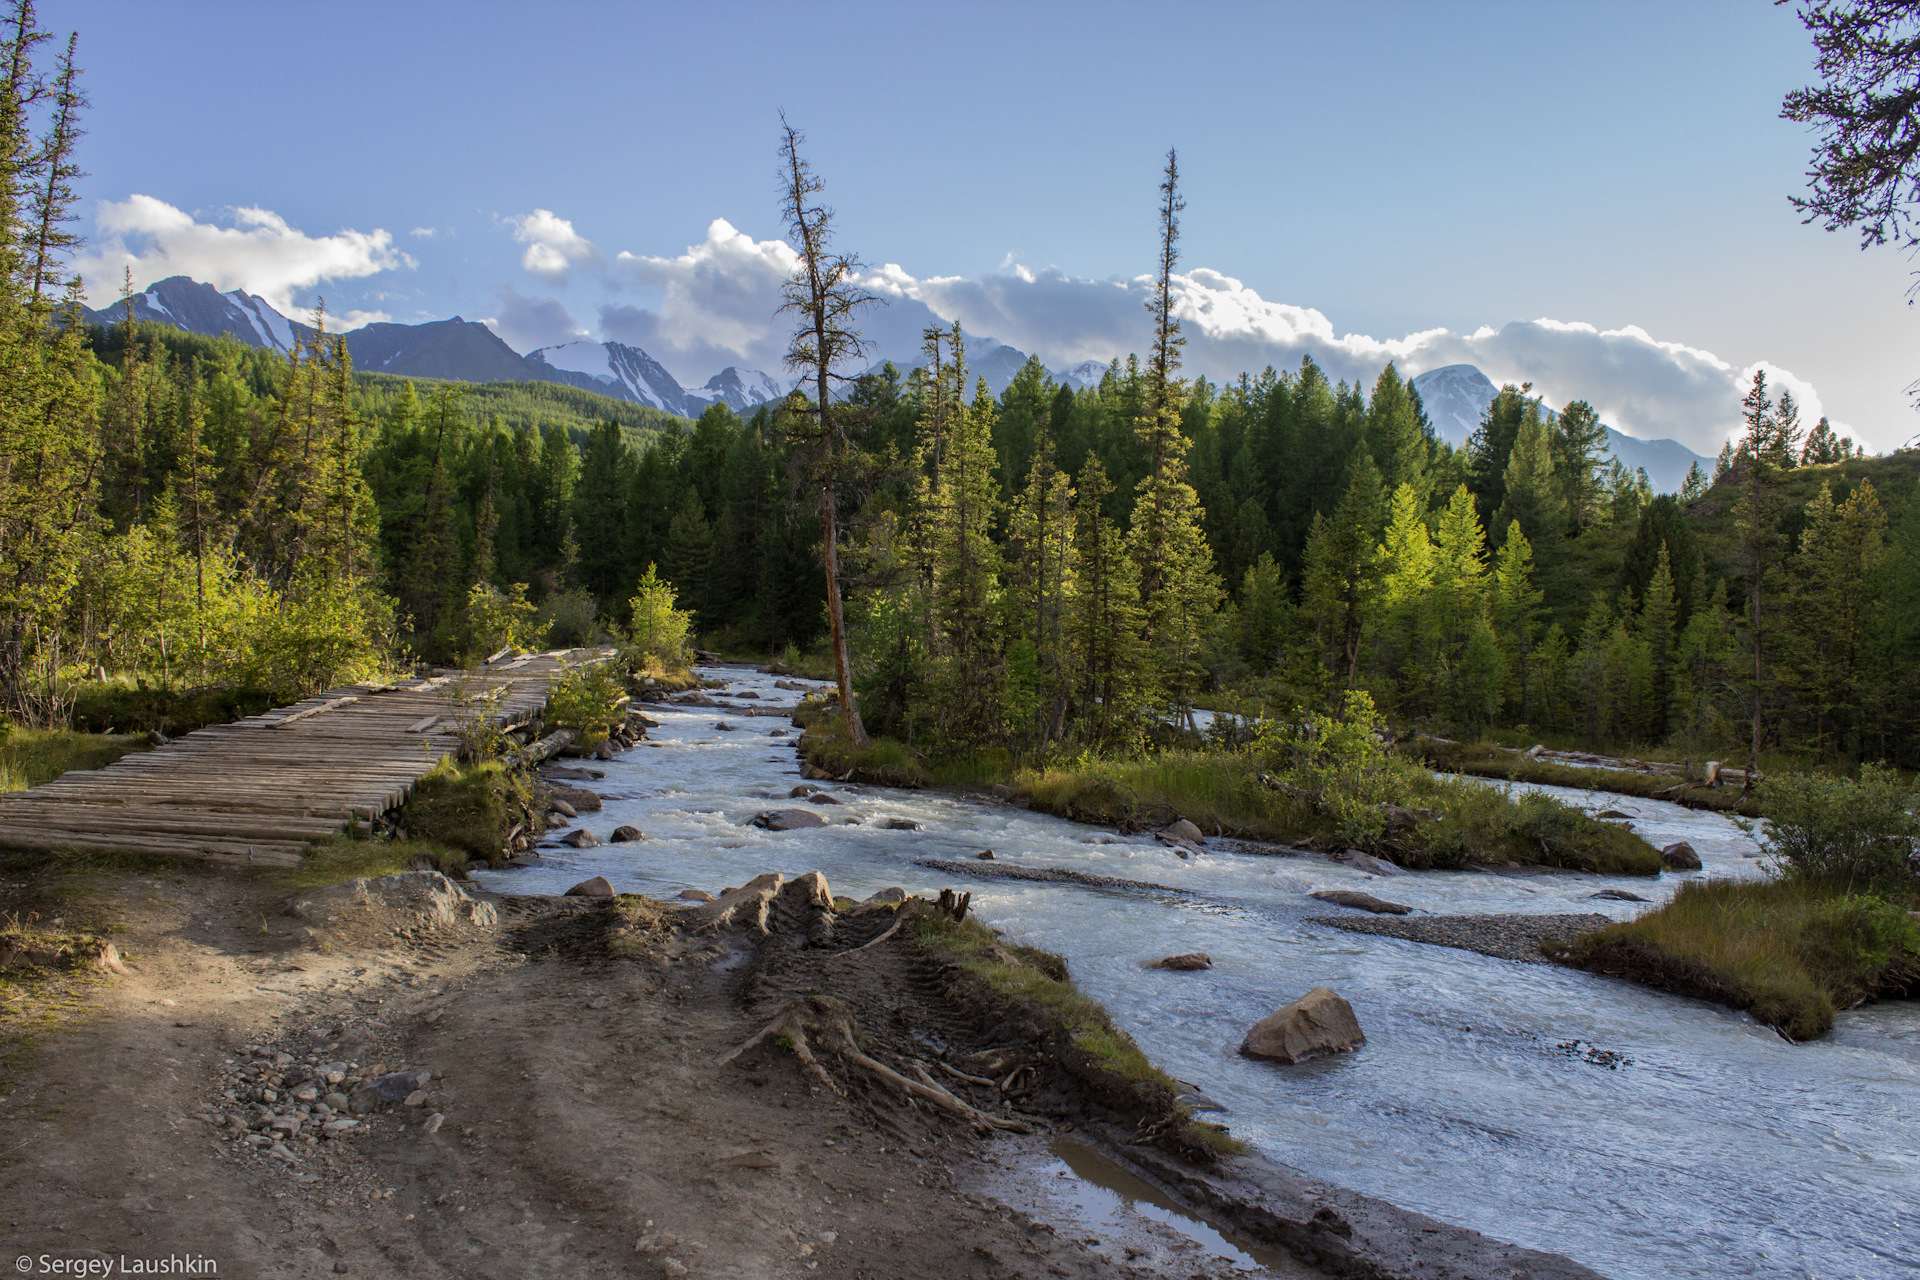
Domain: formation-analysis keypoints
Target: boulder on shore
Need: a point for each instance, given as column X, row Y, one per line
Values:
column 1679, row 856
column 787, row 819
column 1319, row 1022
column 598, row 887
column 1181, row 832
column 1187, row 963
column 1360, row 901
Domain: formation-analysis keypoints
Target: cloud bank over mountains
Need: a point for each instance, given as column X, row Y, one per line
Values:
column 258, row 252
column 715, row 304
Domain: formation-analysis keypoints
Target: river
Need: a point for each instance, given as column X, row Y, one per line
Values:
column 1645, row 1135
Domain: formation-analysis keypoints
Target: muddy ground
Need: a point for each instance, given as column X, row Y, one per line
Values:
column 578, row 1121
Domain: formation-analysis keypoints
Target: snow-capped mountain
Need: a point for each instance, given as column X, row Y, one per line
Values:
column 742, row 390
column 613, row 369
column 1456, row 397
column 1082, row 376
column 200, row 308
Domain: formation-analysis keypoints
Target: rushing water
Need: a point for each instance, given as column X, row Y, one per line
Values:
column 1484, row 1095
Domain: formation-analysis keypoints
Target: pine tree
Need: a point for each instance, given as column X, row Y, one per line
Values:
column 1535, row 496
column 1659, row 628
column 1515, row 609
column 1116, row 685
column 966, row 583
column 1395, row 436
column 1178, row 589
column 1342, row 573
column 1041, row 547
column 1835, row 590
column 1755, row 522
column 1579, row 440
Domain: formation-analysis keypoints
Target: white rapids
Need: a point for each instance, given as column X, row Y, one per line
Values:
column 1645, row 1135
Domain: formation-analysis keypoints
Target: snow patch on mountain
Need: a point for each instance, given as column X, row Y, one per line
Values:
column 1456, row 397
column 613, row 369
column 741, row 390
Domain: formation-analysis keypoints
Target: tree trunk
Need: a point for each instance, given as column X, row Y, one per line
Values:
column 836, row 618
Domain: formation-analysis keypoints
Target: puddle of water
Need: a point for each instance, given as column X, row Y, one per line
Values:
column 1102, row 1191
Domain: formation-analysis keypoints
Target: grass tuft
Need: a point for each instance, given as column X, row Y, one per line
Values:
column 1790, row 952
column 29, row 757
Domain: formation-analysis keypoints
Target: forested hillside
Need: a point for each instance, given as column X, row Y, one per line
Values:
column 1042, row 571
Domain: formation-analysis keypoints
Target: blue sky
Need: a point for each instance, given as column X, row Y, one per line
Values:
column 1357, row 176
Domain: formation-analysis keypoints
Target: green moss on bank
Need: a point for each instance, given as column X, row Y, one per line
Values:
column 1084, row 1040
column 1790, row 952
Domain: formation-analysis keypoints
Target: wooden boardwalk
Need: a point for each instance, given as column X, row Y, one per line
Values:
column 257, row 791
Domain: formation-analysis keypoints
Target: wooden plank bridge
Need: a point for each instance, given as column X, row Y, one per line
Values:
column 258, row 791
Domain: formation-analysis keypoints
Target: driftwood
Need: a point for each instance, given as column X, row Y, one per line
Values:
column 809, row 1020
column 954, row 905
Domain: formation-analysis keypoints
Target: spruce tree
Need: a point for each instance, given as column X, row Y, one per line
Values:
column 1755, row 518
column 1116, row 682
column 1515, row 610
column 1041, row 546
column 1578, row 440
column 1342, row 572
column 1534, row 495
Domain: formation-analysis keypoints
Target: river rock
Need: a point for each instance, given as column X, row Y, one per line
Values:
column 561, row 807
column 1361, row 861
column 598, row 887
column 787, row 819
column 1320, row 1022
column 821, row 797
column 427, row 896
column 1182, row 832
column 1360, row 901
column 581, row 839
column 391, row 1087
column 802, row 791
column 985, row 855
column 1186, row 963
column 579, row 799
column 1679, row 856
column 900, row 824
column 723, row 726
column 695, row 699
column 625, row 834
column 1618, row 895
column 815, row 772
column 1001, row 791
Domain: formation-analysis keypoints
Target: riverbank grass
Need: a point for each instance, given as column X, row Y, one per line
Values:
column 1790, row 952
column 1417, row 820
column 29, row 757
column 1486, row 760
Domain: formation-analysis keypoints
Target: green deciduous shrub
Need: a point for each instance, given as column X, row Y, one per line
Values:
column 1853, row 834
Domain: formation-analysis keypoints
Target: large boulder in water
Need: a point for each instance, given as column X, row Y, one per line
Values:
column 1187, row 963
column 1318, row 1023
column 787, row 819
column 1679, row 856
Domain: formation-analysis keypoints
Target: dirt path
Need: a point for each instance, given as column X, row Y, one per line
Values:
column 586, row 1130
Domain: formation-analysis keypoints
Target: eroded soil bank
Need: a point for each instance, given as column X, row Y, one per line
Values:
column 575, row 1119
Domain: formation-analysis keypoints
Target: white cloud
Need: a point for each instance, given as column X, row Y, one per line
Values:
column 259, row 252
column 424, row 233
column 719, row 299
column 553, row 246
column 526, row 323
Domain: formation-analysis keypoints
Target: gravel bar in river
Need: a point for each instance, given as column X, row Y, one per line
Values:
column 1509, row 937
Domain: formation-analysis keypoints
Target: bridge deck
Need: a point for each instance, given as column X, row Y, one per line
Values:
column 257, row 791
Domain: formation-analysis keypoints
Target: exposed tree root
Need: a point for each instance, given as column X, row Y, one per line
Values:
column 806, row 1021
column 891, row 930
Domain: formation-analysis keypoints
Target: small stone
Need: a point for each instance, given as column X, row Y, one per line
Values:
column 306, row 1093
column 581, row 839
column 598, row 887
column 1679, row 856
column 340, row 1268
column 1001, row 791
column 334, row 1128
column 561, row 806
column 1185, row 963
column 672, row 1267
column 802, row 791
column 1608, row 815
column 625, row 834
column 603, row 752
column 1618, row 895
column 414, row 1099
column 1320, row 1022
column 985, row 855
column 723, row 726
column 433, row 1123
column 901, row 824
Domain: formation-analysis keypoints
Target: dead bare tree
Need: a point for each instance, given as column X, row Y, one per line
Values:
column 824, row 294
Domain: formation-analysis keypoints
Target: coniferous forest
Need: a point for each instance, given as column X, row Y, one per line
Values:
column 1048, row 570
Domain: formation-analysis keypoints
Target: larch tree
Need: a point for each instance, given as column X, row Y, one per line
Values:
column 825, row 296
